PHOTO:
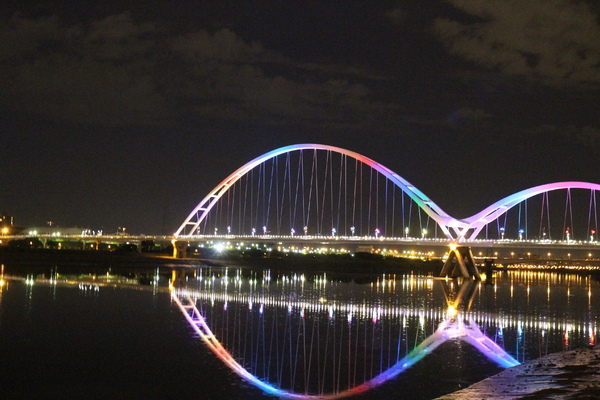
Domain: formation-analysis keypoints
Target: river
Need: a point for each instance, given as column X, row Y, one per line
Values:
column 106, row 336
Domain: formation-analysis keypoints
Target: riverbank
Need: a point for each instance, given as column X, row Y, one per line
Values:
column 360, row 264
column 28, row 257
column 573, row 374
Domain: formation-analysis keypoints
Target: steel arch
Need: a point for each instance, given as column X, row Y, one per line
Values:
column 427, row 205
column 461, row 228
column 494, row 211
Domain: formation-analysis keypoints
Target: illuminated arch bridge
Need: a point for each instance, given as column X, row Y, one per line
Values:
column 315, row 189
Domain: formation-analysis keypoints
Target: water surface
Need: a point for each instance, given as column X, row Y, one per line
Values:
column 307, row 333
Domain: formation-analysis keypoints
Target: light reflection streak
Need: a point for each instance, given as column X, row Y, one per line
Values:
column 453, row 327
column 365, row 310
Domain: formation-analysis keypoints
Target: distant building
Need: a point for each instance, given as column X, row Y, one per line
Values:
column 6, row 224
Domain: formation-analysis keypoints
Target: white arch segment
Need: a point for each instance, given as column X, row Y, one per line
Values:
column 190, row 225
column 494, row 211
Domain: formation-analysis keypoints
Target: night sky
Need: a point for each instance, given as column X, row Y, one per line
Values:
column 118, row 113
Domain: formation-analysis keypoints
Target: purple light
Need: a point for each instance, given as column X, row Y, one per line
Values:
column 461, row 228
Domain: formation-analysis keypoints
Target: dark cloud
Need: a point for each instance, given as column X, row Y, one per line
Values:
column 467, row 113
column 116, row 71
column 556, row 42
column 397, row 15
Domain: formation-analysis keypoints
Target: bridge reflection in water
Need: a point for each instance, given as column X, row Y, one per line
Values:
column 312, row 337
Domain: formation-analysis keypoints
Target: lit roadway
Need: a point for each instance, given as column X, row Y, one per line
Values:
column 506, row 248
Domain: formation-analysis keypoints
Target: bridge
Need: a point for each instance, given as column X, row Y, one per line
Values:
column 315, row 189
column 312, row 196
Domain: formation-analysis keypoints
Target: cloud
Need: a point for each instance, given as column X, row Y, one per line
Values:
column 97, row 73
column 117, row 71
column 397, row 15
column 466, row 114
column 556, row 42
column 586, row 135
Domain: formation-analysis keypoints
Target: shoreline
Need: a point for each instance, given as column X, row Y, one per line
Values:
column 326, row 263
column 568, row 374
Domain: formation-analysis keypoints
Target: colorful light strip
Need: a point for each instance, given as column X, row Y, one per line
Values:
column 445, row 221
column 203, row 208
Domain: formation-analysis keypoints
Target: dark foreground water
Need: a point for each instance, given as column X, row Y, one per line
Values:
column 71, row 340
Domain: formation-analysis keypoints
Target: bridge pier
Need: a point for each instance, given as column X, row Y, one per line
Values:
column 460, row 264
column 179, row 248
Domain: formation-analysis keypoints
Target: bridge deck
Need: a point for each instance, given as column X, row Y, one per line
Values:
column 565, row 375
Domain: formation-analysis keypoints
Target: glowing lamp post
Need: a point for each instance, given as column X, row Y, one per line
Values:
column 423, row 233
column 406, row 230
column 305, row 230
column 333, row 231
column 377, row 232
column 568, row 232
column 352, row 229
column 592, row 233
column 264, row 230
column 502, row 233
column 216, row 230
column 521, row 232
column 253, row 231
column 229, row 230
column 292, row 232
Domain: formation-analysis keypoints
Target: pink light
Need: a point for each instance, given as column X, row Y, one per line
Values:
column 446, row 222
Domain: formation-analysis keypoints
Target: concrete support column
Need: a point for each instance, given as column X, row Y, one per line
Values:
column 460, row 264
column 179, row 248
